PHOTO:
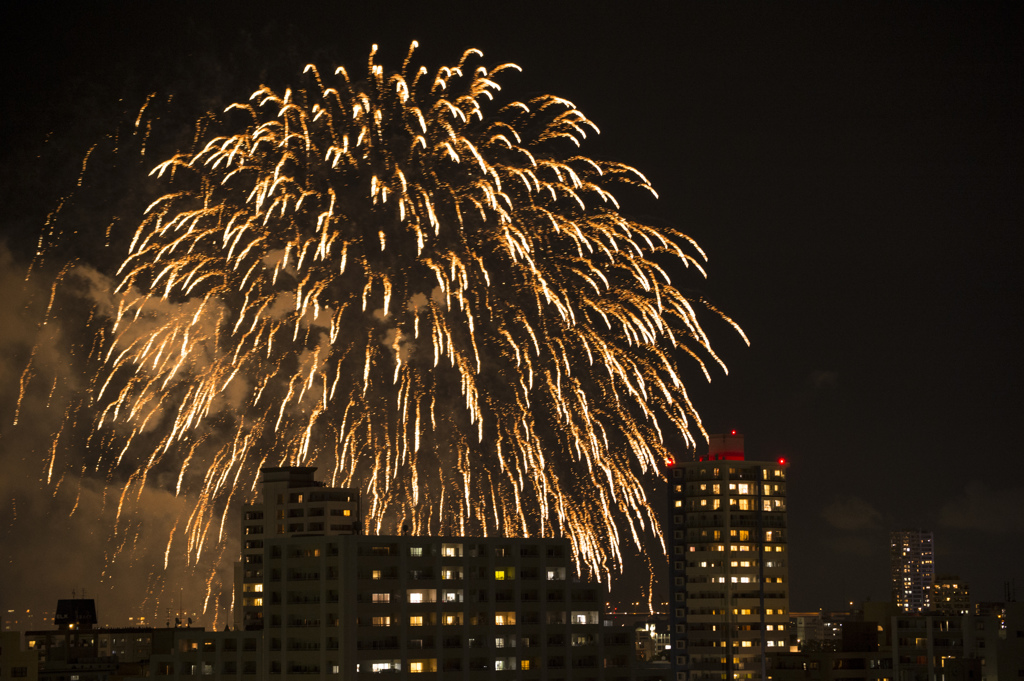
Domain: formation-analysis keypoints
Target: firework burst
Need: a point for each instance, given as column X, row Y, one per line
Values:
column 427, row 293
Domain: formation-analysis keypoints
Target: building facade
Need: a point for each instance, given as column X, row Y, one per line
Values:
column 728, row 563
column 950, row 596
column 334, row 603
column 912, row 569
column 292, row 504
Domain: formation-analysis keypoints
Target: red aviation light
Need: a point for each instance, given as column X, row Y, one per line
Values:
column 733, row 432
column 782, row 461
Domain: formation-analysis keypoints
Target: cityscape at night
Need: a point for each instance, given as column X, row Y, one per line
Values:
column 342, row 340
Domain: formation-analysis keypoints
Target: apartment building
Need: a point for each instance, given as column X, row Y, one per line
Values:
column 912, row 569
column 728, row 561
column 335, row 603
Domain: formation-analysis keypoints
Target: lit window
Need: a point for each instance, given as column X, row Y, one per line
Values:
column 376, row 575
column 416, row 667
column 347, row 512
column 384, row 621
column 499, row 574
column 415, row 551
column 416, row 621
column 679, row 503
column 381, row 598
column 524, row 664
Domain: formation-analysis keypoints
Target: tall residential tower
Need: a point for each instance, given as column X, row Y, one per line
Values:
column 728, row 562
column 912, row 566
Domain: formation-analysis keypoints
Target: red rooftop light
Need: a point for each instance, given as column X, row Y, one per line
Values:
column 782, row 460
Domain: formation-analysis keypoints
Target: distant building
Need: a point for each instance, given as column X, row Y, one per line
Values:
column 806, row 629
column 912, row 569
column 950, row 596
column 728, row 558
column 887, row 645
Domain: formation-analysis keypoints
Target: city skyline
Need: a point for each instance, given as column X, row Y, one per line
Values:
column 853, row 175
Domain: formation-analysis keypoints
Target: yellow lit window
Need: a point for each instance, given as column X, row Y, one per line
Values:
column 347, row 512
column 416, row 667
column 377, row 575
column 499, row 574
column 416, row 621
column 524, row 664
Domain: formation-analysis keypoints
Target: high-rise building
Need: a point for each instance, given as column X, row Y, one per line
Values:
column 912, row 568
column 728, row 561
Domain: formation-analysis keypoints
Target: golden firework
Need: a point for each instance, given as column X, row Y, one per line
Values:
column 424, row 291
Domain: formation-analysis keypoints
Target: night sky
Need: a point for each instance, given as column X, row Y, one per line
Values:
column 854, row 174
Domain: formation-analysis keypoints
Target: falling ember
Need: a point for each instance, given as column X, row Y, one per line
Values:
column 425, row 292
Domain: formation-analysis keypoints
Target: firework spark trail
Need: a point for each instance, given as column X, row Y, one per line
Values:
column 398, row 275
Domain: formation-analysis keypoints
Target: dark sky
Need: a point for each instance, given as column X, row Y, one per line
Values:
column 853, row 171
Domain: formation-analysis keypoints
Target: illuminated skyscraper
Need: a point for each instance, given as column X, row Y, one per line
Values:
column 912, row 567
column 728, row 561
